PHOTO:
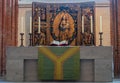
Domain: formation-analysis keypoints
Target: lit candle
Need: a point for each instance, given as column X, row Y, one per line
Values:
column 91, row 24
column 39, row 25
column 100, row 23
column 82, row 24
column 30, row 24
column 21, row 24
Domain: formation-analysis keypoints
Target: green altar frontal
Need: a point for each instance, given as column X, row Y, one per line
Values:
column 59, row 63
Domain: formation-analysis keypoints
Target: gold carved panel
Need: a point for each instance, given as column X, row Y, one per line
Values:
column 61, row 21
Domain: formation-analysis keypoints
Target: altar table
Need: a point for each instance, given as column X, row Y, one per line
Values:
column 96, row 64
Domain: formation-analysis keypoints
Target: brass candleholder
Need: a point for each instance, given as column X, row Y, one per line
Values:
column 101, row 33
column 21, row 34
column 92, row 39
column 30, row 40
column 83, row 39
column 38, row 39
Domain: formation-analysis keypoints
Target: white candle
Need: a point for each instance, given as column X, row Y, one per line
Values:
column 100, row 23
column 30, row 24
column 39, row 25
column 91, row 24
column 82, row 24
column 22, row 25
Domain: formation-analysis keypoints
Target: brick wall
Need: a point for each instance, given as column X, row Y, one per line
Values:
column 115, row 35
column 8, row 28
column 118, row 33
column 0, row 30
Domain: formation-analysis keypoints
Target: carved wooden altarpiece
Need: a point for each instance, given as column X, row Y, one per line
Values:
column 62, row 21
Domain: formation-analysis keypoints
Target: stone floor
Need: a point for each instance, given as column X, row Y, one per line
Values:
column 115, row 81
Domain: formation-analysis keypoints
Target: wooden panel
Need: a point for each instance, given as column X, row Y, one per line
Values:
column 52, row 17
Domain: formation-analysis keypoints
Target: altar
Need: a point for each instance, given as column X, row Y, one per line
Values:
column 53, row 29
column 28, row 29
column 96, row 64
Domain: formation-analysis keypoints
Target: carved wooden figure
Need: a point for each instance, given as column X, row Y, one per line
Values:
column 62, row 21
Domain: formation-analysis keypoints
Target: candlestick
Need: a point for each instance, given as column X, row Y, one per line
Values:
column 82, row 24
column 92, row 39
column 30, row 24
column 100, row 23
column 101, row 33
column 39, row 26
column 22, row 25
column 91, row 24
column 30, row 44
column 38, row 39
column 21, row 34
column 83, row 39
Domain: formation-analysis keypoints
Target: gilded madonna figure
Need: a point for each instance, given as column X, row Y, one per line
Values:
column 63, row 26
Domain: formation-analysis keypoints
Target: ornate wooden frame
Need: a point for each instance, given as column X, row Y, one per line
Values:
column 48, row 13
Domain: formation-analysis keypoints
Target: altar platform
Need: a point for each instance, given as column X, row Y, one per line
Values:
column 96, row 64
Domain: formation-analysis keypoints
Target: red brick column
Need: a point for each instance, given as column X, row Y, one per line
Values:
column 8, row 28
column 0, row 33
column 118, row 31
column 115, row 34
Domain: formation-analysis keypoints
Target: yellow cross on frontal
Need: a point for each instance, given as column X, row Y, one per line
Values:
column 58, row 60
